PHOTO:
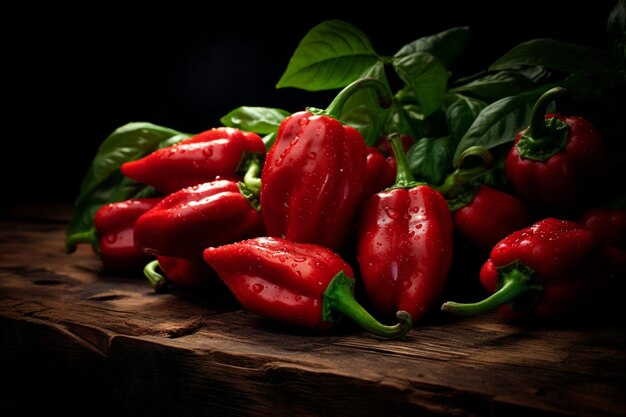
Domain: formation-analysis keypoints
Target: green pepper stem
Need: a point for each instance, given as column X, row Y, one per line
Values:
column 158, row 281
column 404, row 177
column 518, row 281
column 459, row 181
column 537, row 129
column 251, row 178
column 336, row 106
column 339, row 298
column 89, row 236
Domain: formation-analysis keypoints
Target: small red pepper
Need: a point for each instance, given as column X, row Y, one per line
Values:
column 607, row 224
column 314, row 174
column 298, row 283
column 547, row 270
column 187, row 221
column 180, row 272
column 559, row 163
column 112, row 235
column 380, row 172
column 202, row 158
column 405, row 244
column 385, row 147
column 481, row 215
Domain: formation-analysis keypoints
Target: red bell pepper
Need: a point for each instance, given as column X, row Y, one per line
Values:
column 186, row 222
column 481, row 215
column 405, row 244
column 202, row 158
column 548, row 270
column 559, row 163
column 181, row 272
column 314, row 174
column 113, row 237
column 298, row 283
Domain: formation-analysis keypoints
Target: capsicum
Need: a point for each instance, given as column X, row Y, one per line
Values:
column 113, row 234
column 187, row 221
column 558, row 164
column 297, row 283
column 404, row 244
column 481, row 215
column 181, row 272
column 547, row 270
column 314, row 173
column 217, row 152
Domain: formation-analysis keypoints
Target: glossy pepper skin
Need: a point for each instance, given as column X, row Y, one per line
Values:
column 186, row 222
column 548, row 270
column 405, row 244
column 314, row 174
column 302, row 284
column 558, row 163
column 202, row 158
column 181, row 272
column 114, row 223
column 380, row 172
column 608, row 225
column 481, row 214
column 489, row 217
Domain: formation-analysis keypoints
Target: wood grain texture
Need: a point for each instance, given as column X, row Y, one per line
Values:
column 75, row 340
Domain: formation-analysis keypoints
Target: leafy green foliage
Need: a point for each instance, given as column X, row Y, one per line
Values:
column 557, row 55
column 331, row 55
column 262, row 120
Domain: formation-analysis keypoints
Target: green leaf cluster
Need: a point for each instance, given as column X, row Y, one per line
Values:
column 445, row 113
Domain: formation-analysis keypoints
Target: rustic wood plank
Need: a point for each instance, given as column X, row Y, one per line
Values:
column 86, row 342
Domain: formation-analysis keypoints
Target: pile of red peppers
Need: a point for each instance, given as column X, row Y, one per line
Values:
column 291, row 227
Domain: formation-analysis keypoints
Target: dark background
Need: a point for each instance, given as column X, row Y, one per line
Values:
column 73, row 76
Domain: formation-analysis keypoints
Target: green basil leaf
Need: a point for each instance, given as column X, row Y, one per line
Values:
column 500, row 122
column 495, row 86
column 446, row 45
column 362, row 110
column 560, row 56
column 461, row 111
column 262, row 120
column 269, row 140
column 431, row 158
column 616, row 31
column 104, row 183
column 427, row 77
column 331, row 55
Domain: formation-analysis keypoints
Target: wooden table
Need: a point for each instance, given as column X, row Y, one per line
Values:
column 76, row 341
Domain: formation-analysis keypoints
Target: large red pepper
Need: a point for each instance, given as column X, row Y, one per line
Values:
column 314, row 174
column 481, row 215
column 181, row 272
column 559, row 163
column 298, row 283
column 547, row 270
column 405, row 244
column 186, row 222
column 113, row 235
column 202, row 158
